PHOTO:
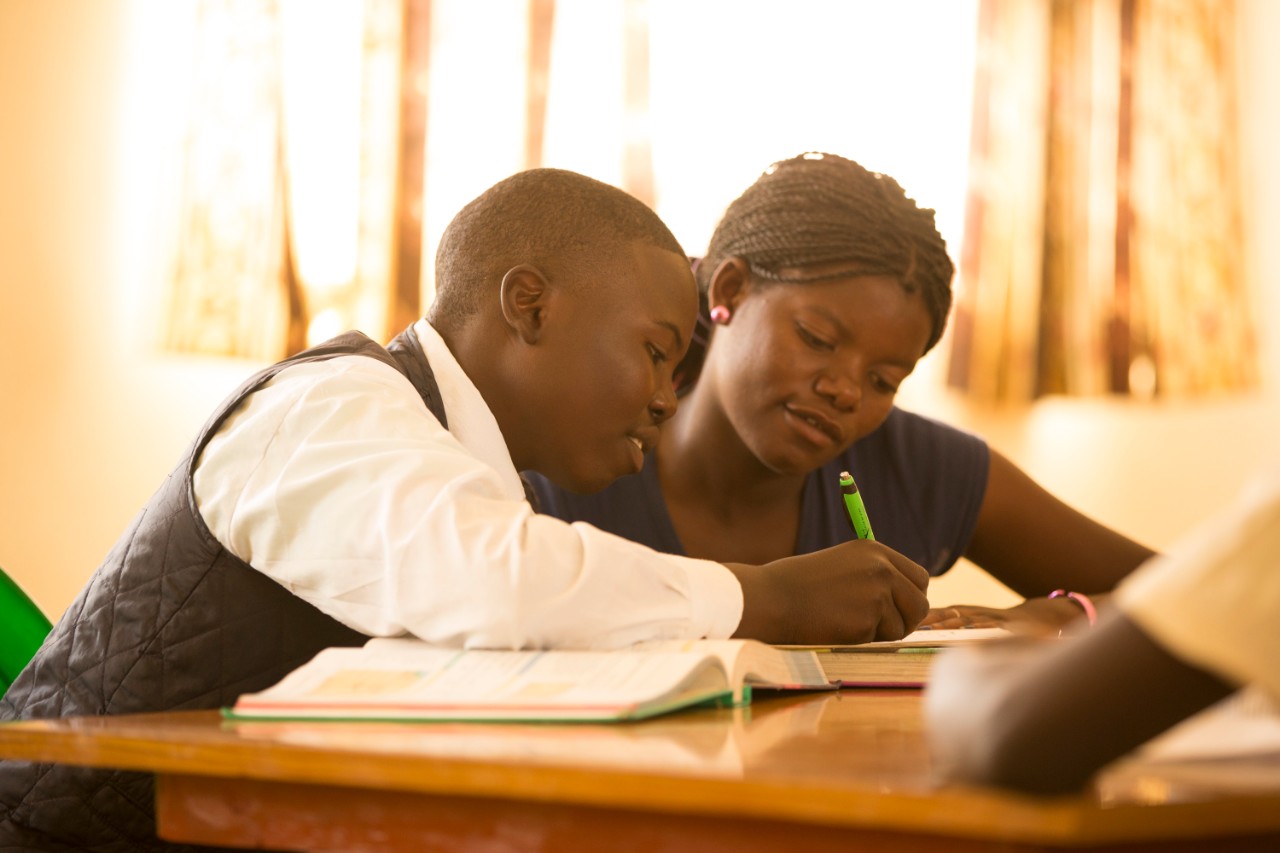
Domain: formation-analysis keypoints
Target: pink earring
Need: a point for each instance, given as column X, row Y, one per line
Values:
column 720, row 315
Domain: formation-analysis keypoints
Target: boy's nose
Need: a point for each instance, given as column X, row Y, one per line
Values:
column 663, row 405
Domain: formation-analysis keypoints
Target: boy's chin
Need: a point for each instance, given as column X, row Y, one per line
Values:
column 581, row 486
column 583, row 482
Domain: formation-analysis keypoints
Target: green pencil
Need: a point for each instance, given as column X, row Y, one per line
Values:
column 853, row 503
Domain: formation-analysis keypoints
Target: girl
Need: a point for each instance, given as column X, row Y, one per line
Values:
column 823, row 286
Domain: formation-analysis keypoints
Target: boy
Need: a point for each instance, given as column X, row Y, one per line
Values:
column 354, row 490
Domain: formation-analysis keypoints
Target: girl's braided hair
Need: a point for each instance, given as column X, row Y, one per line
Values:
column 822, row 210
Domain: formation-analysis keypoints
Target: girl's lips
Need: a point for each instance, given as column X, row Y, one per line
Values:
column 818, row 427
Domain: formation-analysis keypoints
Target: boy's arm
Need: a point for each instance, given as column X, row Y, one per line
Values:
column 1044, row 717
column 1185, row 627
column 336, row 482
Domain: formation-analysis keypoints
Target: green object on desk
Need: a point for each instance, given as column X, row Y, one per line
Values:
column 23, row 628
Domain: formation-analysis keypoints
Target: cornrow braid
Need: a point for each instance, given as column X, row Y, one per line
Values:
column 820, row 210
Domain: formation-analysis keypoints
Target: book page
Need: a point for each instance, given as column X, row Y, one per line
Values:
column 754, row 663
column 410, row 679
column 1232, row 746
column 1245, row 723
column 923, row 638
column 908, row 667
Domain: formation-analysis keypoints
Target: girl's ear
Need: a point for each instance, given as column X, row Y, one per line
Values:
column 729, row 284
column 523, row 298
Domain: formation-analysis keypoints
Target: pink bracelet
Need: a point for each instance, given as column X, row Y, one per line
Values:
column 1081, row 599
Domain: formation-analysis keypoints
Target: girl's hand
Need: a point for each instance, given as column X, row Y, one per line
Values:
column 1037, row 617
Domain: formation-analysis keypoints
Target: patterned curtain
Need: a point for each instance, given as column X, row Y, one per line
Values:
column 1103, row 239
column 276, row 247
column 231, row 231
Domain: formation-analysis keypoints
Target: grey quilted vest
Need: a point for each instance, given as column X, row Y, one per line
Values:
column 170, row 621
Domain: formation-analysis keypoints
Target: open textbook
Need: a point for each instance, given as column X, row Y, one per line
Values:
column 407, row 679
column 886, row 665
column 935, row 639
column 894, row 663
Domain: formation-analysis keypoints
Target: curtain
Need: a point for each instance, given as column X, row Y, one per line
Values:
column 1102, row 250
column 301, row 207
column 331, row 141
column 231, row 229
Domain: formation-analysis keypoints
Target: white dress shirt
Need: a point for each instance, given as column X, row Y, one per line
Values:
column 1214, row 599
column 336, row 481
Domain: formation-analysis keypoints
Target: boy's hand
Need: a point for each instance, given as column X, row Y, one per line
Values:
column 854, row 592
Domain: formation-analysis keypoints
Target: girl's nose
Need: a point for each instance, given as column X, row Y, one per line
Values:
column 843, row 393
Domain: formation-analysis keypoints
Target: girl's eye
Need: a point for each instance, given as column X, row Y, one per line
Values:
column 657, row 355
column 813, row 340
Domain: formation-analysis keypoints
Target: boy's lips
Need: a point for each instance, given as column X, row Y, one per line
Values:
column 641, row 441
column 644, row 439
column 816, row 420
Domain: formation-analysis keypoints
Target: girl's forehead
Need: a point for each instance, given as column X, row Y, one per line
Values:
column 834, row 289
column 856, row 300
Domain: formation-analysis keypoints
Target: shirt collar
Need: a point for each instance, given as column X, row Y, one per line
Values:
column 470, row 420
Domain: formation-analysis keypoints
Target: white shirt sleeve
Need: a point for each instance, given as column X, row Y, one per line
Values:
column 336, row 481
column 1214, row 599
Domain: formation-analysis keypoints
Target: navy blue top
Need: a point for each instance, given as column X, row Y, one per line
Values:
column 922, row 482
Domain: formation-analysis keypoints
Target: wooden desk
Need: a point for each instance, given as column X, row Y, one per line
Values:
column 794, row 773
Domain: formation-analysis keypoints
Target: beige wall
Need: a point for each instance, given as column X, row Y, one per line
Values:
column 93, row 418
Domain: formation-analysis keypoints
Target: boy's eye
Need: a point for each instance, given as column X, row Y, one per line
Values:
column 884, row 386
column 813, row 340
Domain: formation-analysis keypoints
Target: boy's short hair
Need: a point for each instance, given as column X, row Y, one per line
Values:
column 553, row 219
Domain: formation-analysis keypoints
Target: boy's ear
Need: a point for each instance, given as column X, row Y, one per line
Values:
column 729, row 283
column 523, row 297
